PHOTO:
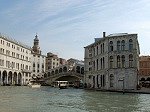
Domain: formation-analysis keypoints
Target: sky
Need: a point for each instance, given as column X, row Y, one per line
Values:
column 65, row 27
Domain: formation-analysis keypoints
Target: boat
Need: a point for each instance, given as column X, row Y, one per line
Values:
column 61, row 84
column 34, row 84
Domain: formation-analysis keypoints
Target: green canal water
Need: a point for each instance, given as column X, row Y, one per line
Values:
column 48, row 99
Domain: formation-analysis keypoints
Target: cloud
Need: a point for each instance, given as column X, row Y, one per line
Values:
column 66, row 26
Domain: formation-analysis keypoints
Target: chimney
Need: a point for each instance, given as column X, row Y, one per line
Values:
column 104, row 34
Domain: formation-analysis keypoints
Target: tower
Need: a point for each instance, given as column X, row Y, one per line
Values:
column 36, row 48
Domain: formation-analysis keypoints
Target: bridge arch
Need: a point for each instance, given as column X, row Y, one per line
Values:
column 64, row 69
column 56, row 71
column 52, row 73
column 49, row 73
column 65, row 76
column 60, row 70
column 82, row 70
column 78, row 69
column 45, row 75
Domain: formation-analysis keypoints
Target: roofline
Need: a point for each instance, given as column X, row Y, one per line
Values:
column 109, row 36
column 15, row 41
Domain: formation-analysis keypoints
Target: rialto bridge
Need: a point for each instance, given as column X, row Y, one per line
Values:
column 70, row 73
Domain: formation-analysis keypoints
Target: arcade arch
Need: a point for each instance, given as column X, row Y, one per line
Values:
column 4, row 77
column 19, row 78
column 10, row 77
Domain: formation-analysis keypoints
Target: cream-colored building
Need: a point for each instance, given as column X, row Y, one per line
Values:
column 15, row 64
column 18, row 62
column 112, row 62
column 37, row 60
column 53, row 61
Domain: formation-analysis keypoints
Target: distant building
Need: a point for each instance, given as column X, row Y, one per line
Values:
column 76, row 65
column 15, row 64
column 52, row 61
column 37, row 60
column 62, row 61
column 144, row 70
column 112, row 62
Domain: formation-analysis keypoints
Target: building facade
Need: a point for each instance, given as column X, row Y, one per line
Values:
column 53, row 61
column 15, row 65
column 144, row 69
column 19, row 62
column 37, row 60
column 112, row 62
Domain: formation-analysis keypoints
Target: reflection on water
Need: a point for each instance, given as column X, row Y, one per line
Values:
column 47, row 99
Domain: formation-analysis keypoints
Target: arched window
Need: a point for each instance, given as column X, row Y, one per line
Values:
column 97, row 50
column 42, row 65
column 111, row 80
column 33, row 64
column 130, row 44
column 103, row 48
column 111, row 61
column 111, row 46
column 94, row 51
column 118, row 45
column 130, row 60
column 26, row 67
column 118, row 61
column 38, row 65
column 103, row 62
column 94, row 65
column 78, row 69
column 97, row 64
column 123, row 61
column 122, row 45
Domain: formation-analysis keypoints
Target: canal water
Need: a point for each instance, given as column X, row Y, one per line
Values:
column 48, row 99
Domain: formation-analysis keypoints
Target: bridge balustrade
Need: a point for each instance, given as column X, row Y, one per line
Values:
column 77, row 69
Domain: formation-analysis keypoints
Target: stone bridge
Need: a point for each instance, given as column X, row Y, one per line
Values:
column 69, row 73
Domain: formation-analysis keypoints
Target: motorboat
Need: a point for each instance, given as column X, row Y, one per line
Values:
column 61, row 84
column 34, row 84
